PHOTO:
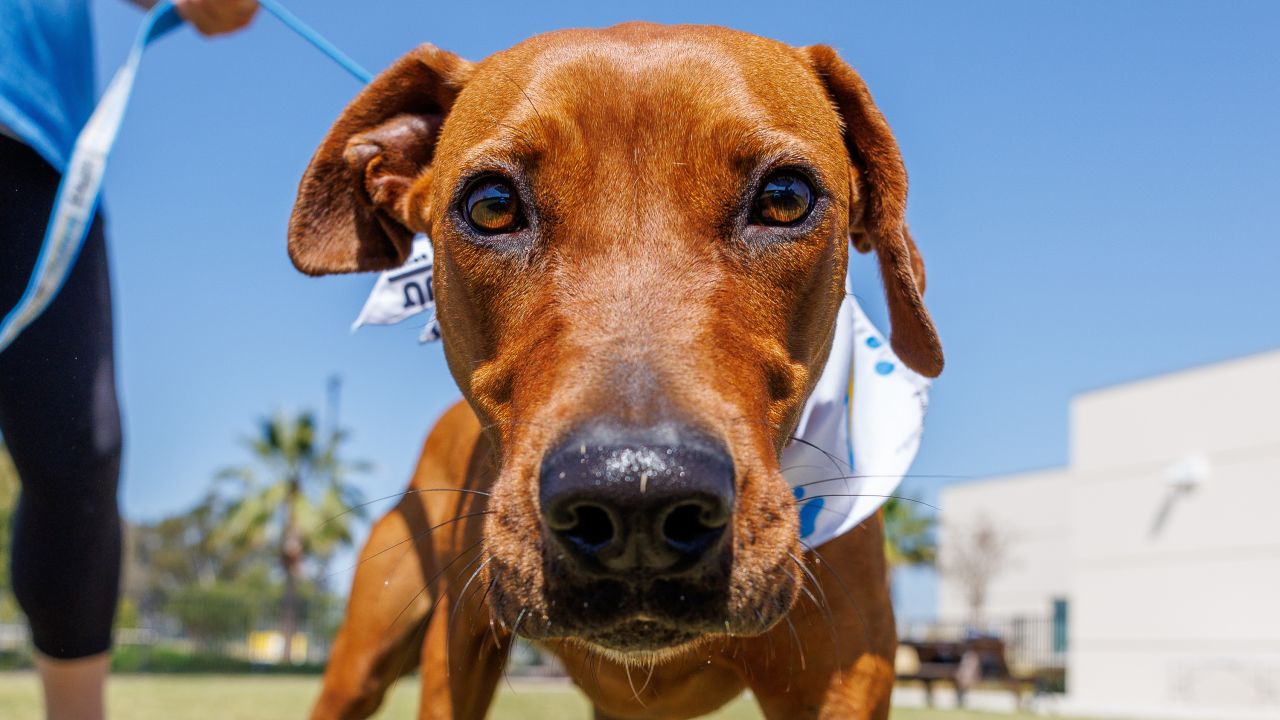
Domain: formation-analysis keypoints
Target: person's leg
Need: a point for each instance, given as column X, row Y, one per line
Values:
column 61, row 423
column 73, row 689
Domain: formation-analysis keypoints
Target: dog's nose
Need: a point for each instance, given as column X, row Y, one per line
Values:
column 637, row 503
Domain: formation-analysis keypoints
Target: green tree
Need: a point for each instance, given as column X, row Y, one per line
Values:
column 295, row 499
column 909, row 537
column 167, row 556
column 212, row 613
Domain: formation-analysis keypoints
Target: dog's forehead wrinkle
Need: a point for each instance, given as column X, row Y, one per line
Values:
column 644, row 60
column 621, row 78
column 509, row 146
column 632, row 292
column 659, row 102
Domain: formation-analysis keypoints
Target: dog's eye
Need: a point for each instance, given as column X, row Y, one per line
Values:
column 785, row 198
column 493, row 207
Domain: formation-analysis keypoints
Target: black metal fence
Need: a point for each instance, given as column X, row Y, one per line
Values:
column 229, row 636
column 204, row 634
column 1032, row 643
column 226, row 636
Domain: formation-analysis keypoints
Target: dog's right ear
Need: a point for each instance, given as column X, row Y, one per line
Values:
column 882, row 226
column 354, row 211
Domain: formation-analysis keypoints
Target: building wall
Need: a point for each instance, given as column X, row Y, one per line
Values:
column 1174, row 592
column 1029, row 512
column 1227, row 406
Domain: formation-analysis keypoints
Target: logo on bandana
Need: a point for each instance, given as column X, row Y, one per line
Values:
column 404, row 292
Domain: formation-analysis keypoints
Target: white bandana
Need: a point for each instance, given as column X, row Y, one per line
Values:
column 839, row 477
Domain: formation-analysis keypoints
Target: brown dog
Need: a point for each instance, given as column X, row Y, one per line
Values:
column 641, row 237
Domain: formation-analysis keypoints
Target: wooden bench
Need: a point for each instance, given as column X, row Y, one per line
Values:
column 962, row 664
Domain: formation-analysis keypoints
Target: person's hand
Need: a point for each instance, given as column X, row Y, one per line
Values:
column 216, row 17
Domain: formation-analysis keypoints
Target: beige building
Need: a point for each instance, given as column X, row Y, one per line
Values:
column 1157, row 547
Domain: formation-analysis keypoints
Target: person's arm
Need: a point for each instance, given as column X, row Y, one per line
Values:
column 211, row 17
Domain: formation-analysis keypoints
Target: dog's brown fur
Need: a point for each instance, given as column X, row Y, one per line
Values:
column 636, row 292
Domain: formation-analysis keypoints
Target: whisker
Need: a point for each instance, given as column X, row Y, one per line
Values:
column 411, row 538
column 867, row 476
column 768, row 659
column 626, row 667
column 432, row 580
column 871, row 495
column 528, row 99
column 653, row 664
column 431, row 612
column 413, row 653
column 467, row 566
column 459, row 601
column 908, row 476
column 492, row 631
column 453, row 615
column 518, row 131
column 862, row 619
column 804, row 588
column 795, row 637
column 802, row 584
column 828, row 616
column 825, row 604
column 363, row 505
column 837, row 462
column 515, row 630
column 513, row 639
column 803, row 466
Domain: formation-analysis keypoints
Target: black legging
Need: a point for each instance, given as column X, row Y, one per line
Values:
column 60, row 420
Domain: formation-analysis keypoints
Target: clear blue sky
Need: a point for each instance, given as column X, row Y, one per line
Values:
column 1094, row 186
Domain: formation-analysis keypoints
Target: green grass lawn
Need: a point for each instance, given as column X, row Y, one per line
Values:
column 185, row 697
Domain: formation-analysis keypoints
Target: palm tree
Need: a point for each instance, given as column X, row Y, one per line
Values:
column 908, row 535
column 293, row 499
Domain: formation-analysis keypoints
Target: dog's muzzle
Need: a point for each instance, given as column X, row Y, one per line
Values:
column 636, row 505
column 641, row 517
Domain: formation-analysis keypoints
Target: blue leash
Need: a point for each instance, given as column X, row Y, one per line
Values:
column 79, row 191
column 316, row 39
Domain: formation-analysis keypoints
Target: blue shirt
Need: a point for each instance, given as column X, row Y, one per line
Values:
column 46, row 74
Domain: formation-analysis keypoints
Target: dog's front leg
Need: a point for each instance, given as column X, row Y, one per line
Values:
column 462, row 656
column 386, row 616
column 857, row 690
column 832, row 658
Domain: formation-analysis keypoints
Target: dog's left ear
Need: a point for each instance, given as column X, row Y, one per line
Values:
column 882, row 224
column 354, row 211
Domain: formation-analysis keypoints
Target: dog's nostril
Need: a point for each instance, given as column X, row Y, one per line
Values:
column 636, row 503
column 592, row 527
column 689, row 525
